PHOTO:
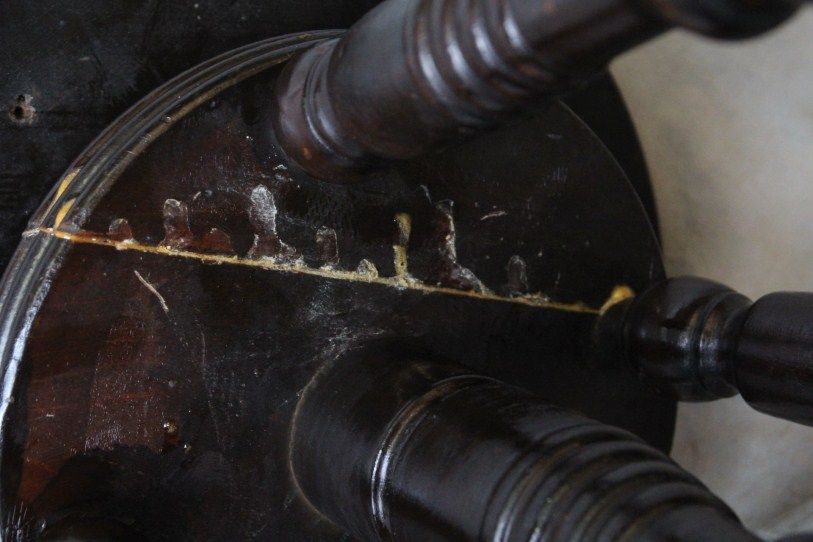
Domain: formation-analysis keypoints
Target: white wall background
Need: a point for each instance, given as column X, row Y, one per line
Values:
column 727, row 130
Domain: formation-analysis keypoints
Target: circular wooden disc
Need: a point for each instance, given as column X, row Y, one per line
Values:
column 183, row 283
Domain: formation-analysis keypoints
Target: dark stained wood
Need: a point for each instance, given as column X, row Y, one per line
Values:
column 422, row 449
column 700, row 340
column 413, row 76
column 183, row 284
column 80, row 64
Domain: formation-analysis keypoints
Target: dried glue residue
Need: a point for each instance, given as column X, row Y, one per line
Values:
column 215, row 241
column 367, row 269
column 619, row 294
column 63, row 212
column 120, row 230
column 65, row 183
column 533, row 300
column 177, row 235
column 517, row 274
column 403, row 223
column 453, row 274
column 268, row 251
column 267, row 243
column 60, row 190
column 263, row 211
column 327, row 247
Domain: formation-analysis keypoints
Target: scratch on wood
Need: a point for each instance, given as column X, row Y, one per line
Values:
column 152, row 289
column 493, row 214
column 18, row 523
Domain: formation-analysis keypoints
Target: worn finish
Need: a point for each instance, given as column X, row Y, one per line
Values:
column 701, row 340
column 426, row 450
column 183, row 284
column 68, row 68
column 414, row 75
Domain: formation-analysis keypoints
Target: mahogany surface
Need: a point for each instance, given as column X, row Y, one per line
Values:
column 182, row 285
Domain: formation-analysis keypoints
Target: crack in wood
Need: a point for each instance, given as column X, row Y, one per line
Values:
column 532, row 300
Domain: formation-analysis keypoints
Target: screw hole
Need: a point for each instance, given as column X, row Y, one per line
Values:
column 22, row 112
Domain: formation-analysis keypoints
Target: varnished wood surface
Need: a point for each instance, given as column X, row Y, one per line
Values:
column 187, row 296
